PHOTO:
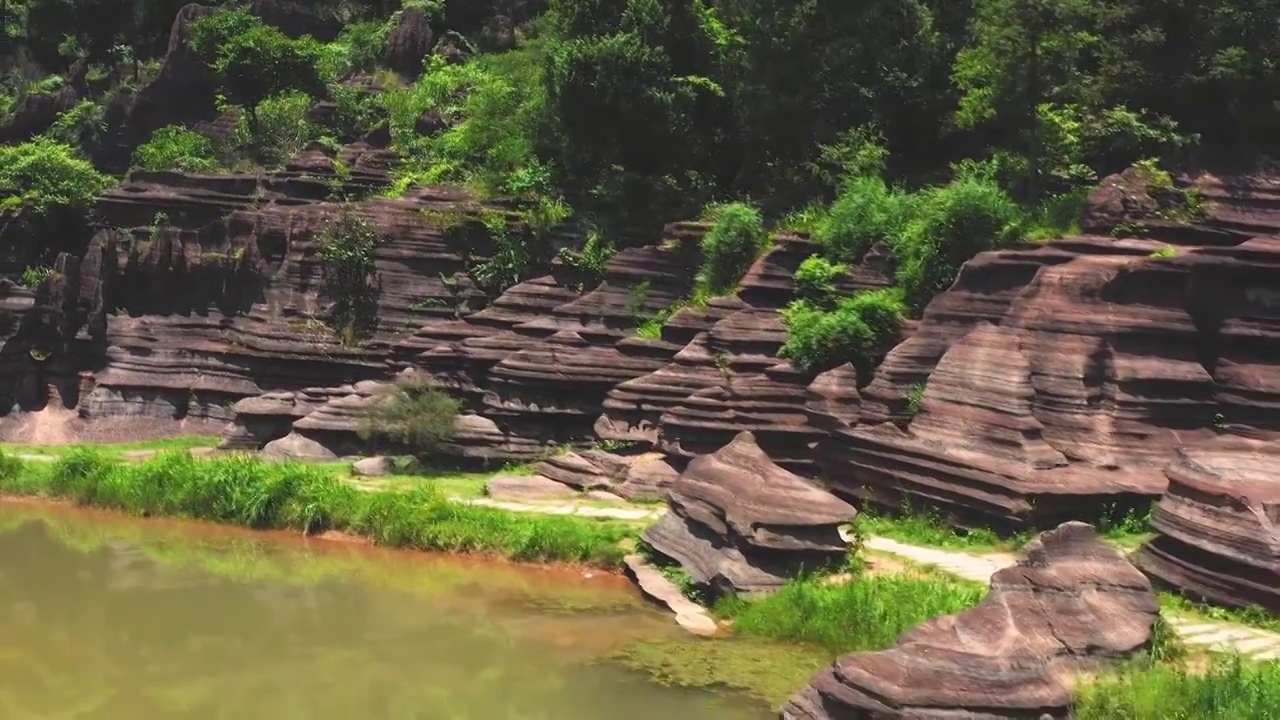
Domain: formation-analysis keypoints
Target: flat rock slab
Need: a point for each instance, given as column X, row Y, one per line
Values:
column 525, row 488
column 655, row 586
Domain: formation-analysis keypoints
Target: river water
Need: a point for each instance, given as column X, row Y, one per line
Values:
column 104, row 617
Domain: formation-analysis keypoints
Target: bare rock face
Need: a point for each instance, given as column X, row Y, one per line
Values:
column 1072, row 601
column 727, row 379
column 569, row 359
column 1100, row 368
column 740, row 523
column 1218, row 527
column 832, row 401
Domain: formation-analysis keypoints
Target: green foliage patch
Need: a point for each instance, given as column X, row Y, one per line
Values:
column 43, row 176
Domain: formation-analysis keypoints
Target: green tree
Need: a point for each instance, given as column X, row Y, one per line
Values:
column 254, row 61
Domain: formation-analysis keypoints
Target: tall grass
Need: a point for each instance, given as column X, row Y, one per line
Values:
column 868, row 612
column 1230, row 689
column 245, row 491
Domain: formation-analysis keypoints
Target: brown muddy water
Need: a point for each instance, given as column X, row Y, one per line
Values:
column 106, row 617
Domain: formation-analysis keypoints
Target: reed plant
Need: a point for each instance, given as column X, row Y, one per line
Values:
column 246, row 491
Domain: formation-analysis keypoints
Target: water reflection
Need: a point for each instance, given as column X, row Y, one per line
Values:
column 103, row 629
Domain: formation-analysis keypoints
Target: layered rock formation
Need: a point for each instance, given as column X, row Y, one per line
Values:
column 1052, row 381
column 727, row 379
column 1218, row 526
column 739, row 523
column 1072, row 601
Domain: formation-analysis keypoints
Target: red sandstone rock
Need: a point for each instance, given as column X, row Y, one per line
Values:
column 1071, row 602
column 738, row 522
column 1218, row 526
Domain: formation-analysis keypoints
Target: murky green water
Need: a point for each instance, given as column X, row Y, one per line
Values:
column 108, row 618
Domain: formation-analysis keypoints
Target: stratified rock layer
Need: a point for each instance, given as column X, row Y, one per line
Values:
column 1218, row 526
column 1052, row 381
column 739, row 523
column 1072, row 601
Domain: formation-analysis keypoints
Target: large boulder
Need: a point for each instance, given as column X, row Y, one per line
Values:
column 1071, row 602
column 740, row 523
column 408, row 43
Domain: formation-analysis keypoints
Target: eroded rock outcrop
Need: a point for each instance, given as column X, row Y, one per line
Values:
column 1218, row 526
column 1050, row 382
column 739, row 523
column 728, row 378
column 1072, row 601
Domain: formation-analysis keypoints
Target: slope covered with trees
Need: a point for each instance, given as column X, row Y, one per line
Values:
column 937, row 129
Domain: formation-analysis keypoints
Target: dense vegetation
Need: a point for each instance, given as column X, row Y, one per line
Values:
column 926, row 130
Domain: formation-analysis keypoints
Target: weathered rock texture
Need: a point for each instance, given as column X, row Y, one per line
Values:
column 728, row 378
column 1071, row 602
column 1050, row 381
column 1218, row 526
column 739, row 523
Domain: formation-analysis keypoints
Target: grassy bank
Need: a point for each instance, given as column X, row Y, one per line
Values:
column 779, row 641
column 1229, row 689
column 180, row 442
column 817, row 612
column 245, row 491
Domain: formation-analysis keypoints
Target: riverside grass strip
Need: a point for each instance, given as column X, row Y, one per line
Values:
column 246, row 491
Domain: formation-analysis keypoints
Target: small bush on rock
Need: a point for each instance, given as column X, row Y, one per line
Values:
column 283, row 128
column 859, row 329
column 729, row 248
column 867, row 212
column 412, row 413
column 951, row 224
column 44, row 175
column 347, row 250
column 176, row 148
column 816, row 279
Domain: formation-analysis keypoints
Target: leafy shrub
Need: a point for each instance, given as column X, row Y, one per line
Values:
column 44, row 175
column 176, row 148
column 34, row 277
column 412, row 412
column 346, row 248
column 951, row 224
column 816, row 279
column 591, row 259
column 859, row 152
column 729, row 248
column 492, row 109
column 254, row 61
column 1164, row 253
column 80, row 126
column 866, row 212
column 859, row 329
column 362, row 44
column 357, row 110
column 283, row 129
